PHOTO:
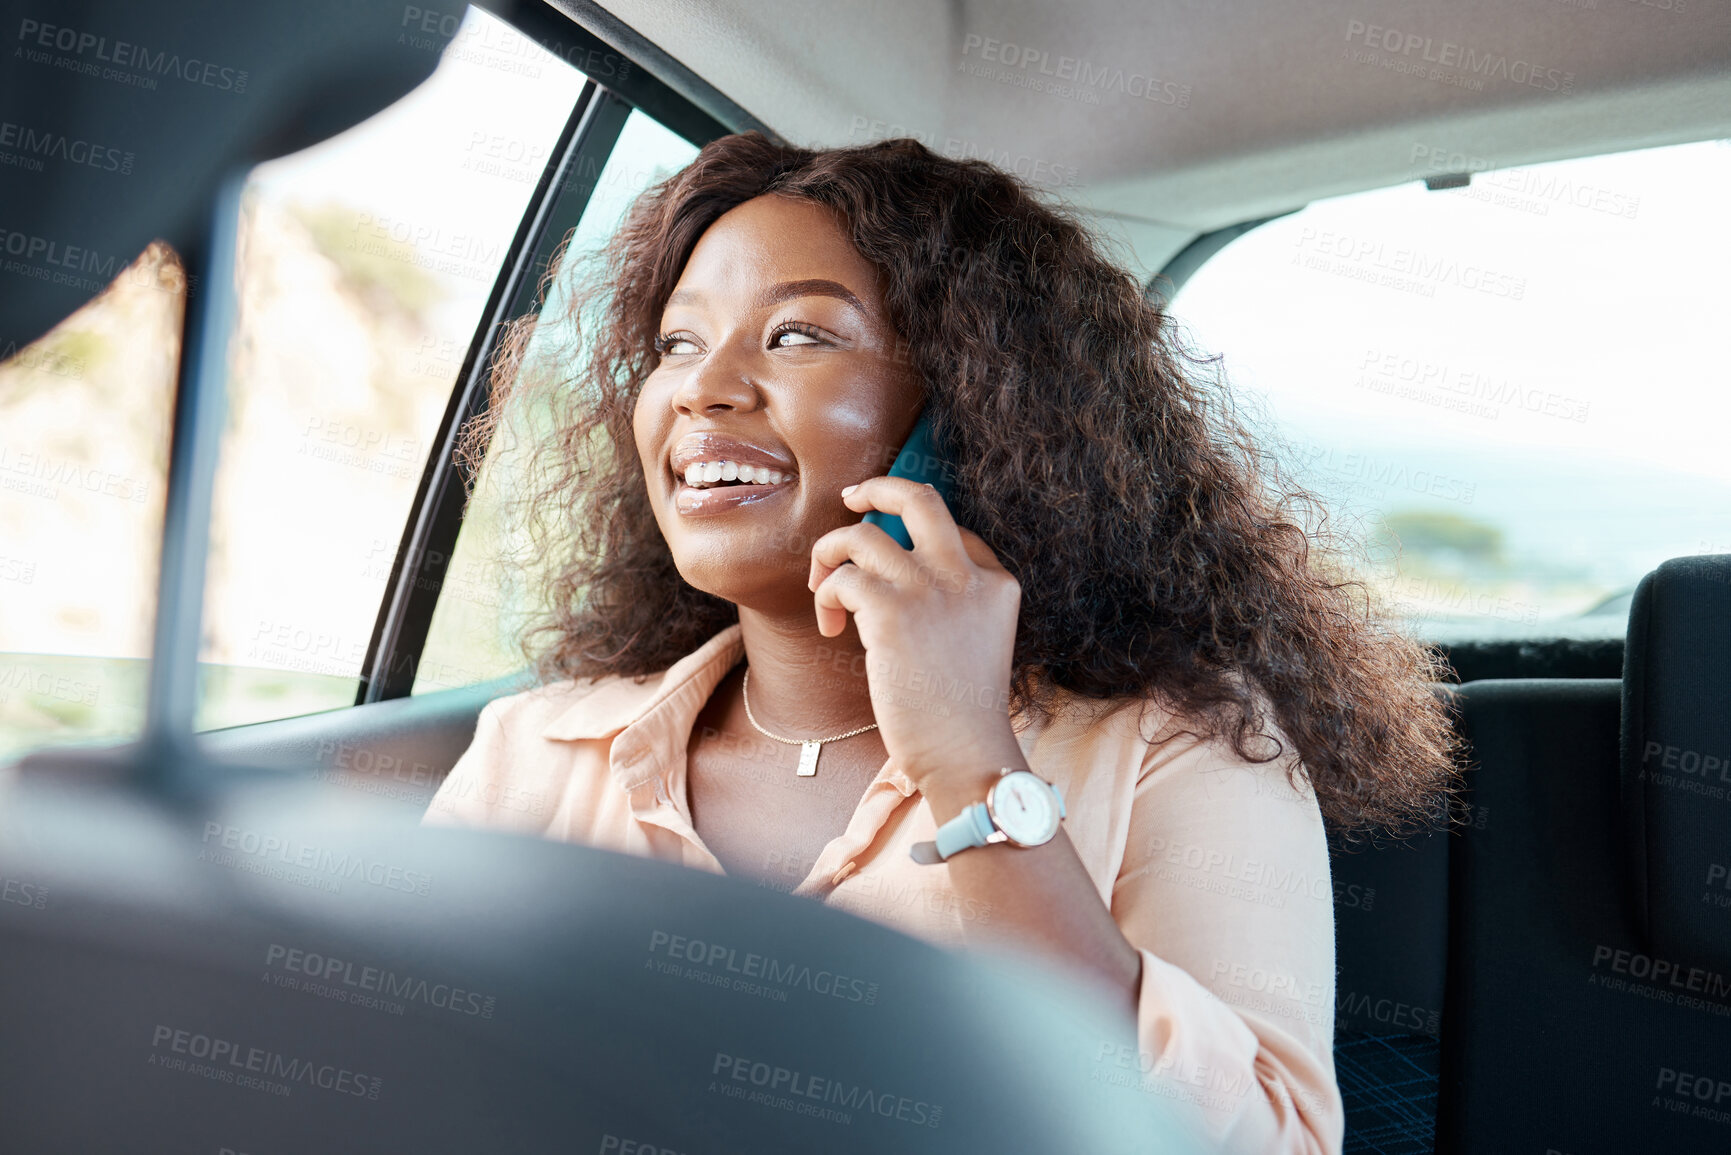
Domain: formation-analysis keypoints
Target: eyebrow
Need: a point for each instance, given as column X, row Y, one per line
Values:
column 784, row 291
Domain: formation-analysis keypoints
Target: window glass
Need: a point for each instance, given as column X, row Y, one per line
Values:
column 84, row 426
column 1516, row 390
column 492, row 580
column 366, row 264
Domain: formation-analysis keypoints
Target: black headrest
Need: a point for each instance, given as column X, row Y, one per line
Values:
column 1676, row 784
column 121, row 118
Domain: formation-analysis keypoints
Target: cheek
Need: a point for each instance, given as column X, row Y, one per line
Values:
column 865, row 413
column 853, row 423
column 874, row 424
column 646, row 427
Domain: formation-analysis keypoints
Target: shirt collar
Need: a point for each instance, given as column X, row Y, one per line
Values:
column 618, row 702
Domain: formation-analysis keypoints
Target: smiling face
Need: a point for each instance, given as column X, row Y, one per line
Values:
column 778, row 385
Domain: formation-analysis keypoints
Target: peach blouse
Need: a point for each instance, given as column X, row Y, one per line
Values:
column 1215, row 869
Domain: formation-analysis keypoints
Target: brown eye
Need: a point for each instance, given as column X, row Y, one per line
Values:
column 671, row 344
column 802, row 334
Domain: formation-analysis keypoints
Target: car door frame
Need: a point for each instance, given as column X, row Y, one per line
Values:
column 639, row 77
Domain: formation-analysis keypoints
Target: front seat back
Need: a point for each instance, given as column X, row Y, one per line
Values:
column 1677, row 760
column 1577, row 1020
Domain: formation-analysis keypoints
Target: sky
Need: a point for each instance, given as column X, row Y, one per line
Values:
column 1554, row 336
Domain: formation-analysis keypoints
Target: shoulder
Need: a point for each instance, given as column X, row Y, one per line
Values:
column 569, row 709
column 600, row 707
column 513, row 776
column 534, row 708
column 1162, row 746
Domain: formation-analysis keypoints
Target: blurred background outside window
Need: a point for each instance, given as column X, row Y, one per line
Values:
column 1517, row 391
column 490, row 590
column 365, row 264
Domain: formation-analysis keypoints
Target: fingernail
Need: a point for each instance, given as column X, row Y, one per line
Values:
column 849, row 490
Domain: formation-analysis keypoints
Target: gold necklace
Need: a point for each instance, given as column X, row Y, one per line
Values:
column 810, row 748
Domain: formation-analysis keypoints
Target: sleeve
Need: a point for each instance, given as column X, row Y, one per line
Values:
column 482, row 790
column 1225, row 893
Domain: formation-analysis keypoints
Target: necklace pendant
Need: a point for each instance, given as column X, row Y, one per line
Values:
column 808, row 758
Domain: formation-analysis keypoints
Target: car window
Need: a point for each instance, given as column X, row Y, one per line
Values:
column 84, row 433
column 1516, row 390
column 365, row 264
column 489, row 591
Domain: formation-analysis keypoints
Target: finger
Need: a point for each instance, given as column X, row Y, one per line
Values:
column 876, row 552
column 978, row 551
column 921, row 508
column 859, row 543
column 846, row 590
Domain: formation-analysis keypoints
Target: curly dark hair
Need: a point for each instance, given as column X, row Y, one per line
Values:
column 1160, row 554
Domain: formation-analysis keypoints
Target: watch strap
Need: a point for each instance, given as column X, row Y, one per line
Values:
column 972, row 827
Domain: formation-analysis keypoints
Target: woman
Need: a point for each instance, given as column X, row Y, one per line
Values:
column 1115, row 598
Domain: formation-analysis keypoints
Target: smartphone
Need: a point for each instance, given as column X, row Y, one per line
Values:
column 921, row 459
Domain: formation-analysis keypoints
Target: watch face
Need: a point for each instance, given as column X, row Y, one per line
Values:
column 1024, row 809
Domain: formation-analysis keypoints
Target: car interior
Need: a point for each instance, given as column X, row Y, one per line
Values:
column 1547, row 969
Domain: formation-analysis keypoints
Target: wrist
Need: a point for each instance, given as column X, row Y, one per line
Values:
column 949, row 795
column 1017, row 806
column 952, row 783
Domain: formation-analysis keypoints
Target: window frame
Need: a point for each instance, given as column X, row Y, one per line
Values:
column 661, row 88
column 1164, row 286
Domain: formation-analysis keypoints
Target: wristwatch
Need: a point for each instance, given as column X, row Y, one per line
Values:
column 1021, row 808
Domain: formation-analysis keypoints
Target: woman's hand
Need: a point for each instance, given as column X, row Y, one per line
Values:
column 939, row 628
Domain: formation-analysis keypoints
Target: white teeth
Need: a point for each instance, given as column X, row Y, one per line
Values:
column 700, row 473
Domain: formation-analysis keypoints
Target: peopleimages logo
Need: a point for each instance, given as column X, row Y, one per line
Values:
column 1378, row 476
column 1409, row 266
column 1657, row 971
column 1471, row 62
column 1700, row 1096
column 1688, row 761
column 86, row 51
column 1393, row 372
column 1208, row 860
column 722, row 961
column 41, row 357
column 1071, row 75
column 72, row 474
column 32, row 145
column 45, row 257
column 366, row 980
column 23, row 892
column 47, row 685
column 227, row 1061
column 801, row 1093
column 1390, row 1012
column 270, row 850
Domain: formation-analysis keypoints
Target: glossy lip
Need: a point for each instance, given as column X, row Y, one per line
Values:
column 712, row 446
column 704, row 502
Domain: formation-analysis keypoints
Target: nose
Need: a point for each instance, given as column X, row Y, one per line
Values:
column 721, row 382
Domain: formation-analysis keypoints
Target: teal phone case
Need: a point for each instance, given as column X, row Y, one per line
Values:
column 921, row 459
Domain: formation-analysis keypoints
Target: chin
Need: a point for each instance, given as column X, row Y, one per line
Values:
column 722, row 573
column 784, row 597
